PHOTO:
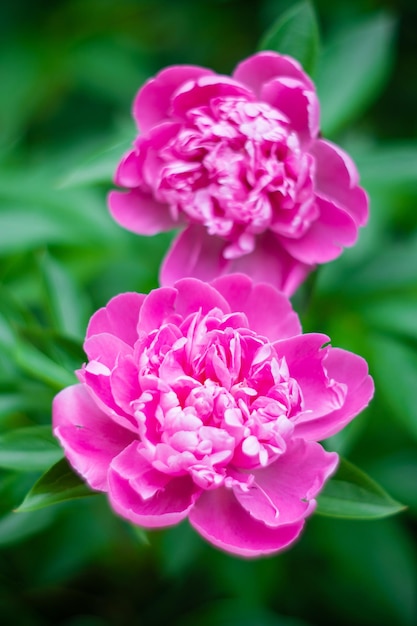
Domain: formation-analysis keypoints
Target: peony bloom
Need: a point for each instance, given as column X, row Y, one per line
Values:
column 238, row 164
column 205, row 401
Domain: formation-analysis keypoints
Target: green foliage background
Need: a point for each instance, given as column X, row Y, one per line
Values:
column 68, row 73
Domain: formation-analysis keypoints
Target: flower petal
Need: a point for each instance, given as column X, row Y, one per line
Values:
column 153, row 101
column 337, row 179
column 201, row 92
column 350, row 370
column 145, row 496
column 89, row 437
column 299, row 104
column 327, row 235
column 275, row 321
column 195, row 253
column 139, row 212
column 260, row 68
column 119, row 317
column 220, row 519
column 284, row 492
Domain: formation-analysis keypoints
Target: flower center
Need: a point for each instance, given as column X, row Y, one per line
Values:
column 215, row 396
column 237, row 168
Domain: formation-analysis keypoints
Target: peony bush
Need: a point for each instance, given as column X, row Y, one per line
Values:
column 239, row 166
column 206, row 401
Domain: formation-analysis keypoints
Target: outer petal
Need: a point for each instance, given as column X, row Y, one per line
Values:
column 220, row 519
column 146, row 497
column 284, row 492
column 264, row 66
column 89, row 437
column 200, row 92
column 119, row 317
column 299, row 104
column 195, row 295
column 106, row 349
column 322, row 394
column 325, row 238
column 153, row 101
column 277, row 320
column 195, row 253
column 337, row 179
column 157, row 308
column 139, row 212
column 350, row 370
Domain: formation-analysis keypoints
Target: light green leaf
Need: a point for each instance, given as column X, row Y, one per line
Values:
column 352, row 494
column 295, row 33
column 29, row 449
column 352, row 70
column 58, row 484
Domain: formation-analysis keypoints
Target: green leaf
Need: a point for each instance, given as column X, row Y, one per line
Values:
column 41, row 367
column 58, row 484
column 15, row 528
column 395, row 315
column 352, row 494
column 394, row 366
column 99, row 168
column 67, row 303
column 295, row 33
column 394, row 267
column 352, row 70
column 387, row 165
column 29, row 449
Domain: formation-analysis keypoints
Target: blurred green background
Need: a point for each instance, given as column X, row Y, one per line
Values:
column 68, row 73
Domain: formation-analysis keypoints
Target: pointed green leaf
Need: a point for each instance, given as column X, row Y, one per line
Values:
column 353, row 69
column 66, row 302
column 58, row 484
column 295, row 33
column 99, row 168
column 394, row 365
column 354, row 495
column 29, row 449
column 37, row 364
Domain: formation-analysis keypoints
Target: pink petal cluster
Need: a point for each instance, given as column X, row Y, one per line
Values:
column 238, row 164
column 205, row 401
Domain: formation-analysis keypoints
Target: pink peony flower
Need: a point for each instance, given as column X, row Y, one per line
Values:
column 206, row 401
column 238, row 164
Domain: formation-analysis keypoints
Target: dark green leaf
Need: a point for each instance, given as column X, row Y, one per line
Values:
column 295, row 33
column 387, row 165
column 29, row 449
column 41, row 367
column 15, row 528
column 58, row 484
column 394, row 365
column 352, row 70
column 65, row 300
column 352, row 494
column 99, row 168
